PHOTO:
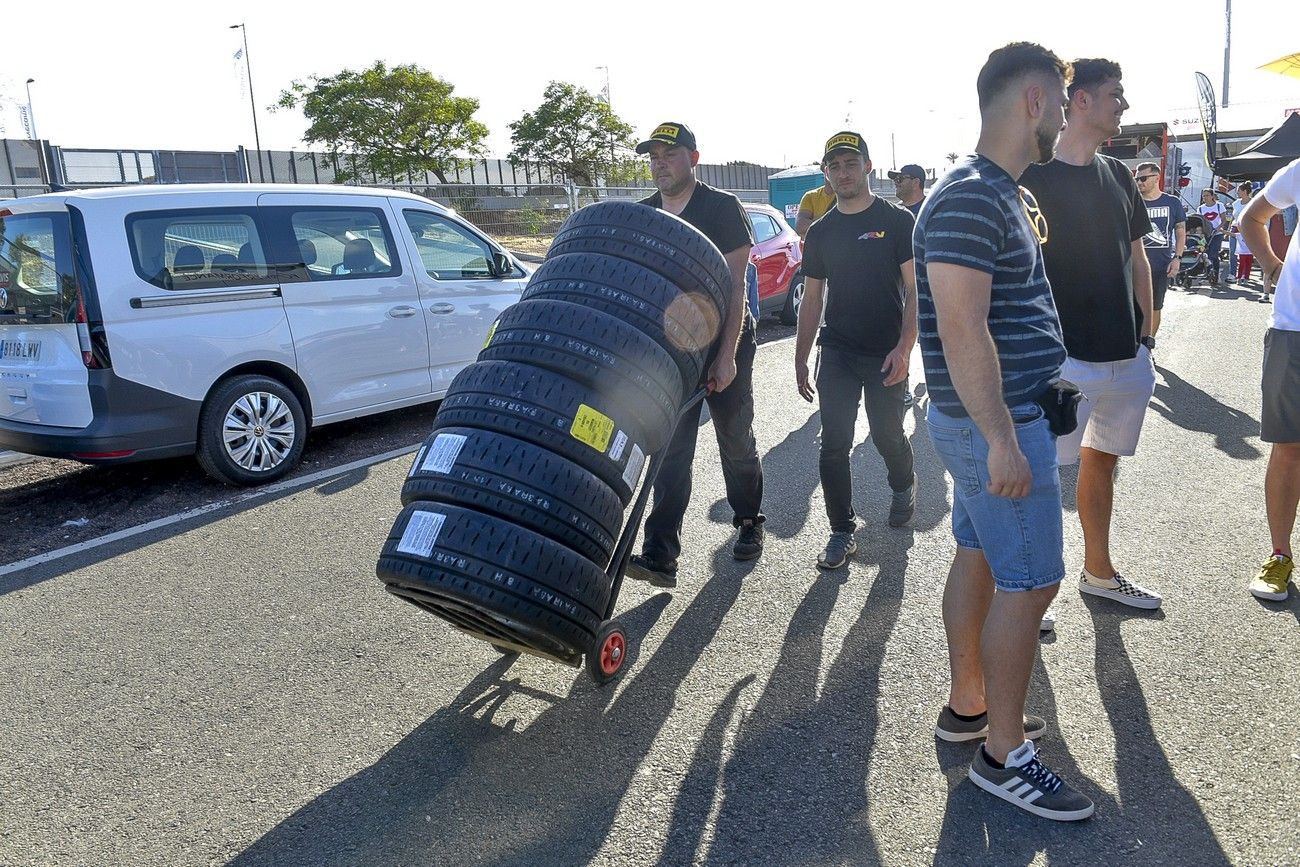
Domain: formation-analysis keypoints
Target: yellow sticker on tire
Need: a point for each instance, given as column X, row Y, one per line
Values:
column 491, row 333
column 592, row 427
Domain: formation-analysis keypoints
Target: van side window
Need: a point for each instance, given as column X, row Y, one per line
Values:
column 208, row 248
column 343, row 243
column 448, row 251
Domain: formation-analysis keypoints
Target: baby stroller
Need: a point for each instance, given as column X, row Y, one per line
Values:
column 1194, row 262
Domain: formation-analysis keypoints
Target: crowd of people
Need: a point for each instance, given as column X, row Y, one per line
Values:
column 1032, row 275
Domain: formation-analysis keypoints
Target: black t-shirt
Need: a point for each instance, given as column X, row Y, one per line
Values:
column 1094, row 213
column 717, row 214
column 859, row 256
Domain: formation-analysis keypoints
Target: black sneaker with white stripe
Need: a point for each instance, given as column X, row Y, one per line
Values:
column 1027, row 783
column 954, row 729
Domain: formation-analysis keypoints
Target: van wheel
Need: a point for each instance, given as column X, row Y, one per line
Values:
column 251, row 431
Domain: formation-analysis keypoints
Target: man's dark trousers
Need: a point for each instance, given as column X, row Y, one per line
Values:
column 732, row 411
column 841, row 378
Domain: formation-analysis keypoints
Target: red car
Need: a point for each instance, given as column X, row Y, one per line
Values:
column 777, row 254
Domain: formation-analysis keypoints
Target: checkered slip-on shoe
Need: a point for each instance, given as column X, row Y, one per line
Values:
column 1120, row 589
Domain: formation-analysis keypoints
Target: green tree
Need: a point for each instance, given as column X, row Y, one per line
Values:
column 573, row 132
column 390, row 122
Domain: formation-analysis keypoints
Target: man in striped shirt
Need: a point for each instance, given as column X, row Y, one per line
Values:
column 992, row 344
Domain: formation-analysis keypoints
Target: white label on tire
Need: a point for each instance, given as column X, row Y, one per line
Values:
column 632, row 473
column 415, row 465
column 421, row 533
column 443, row 453
column 620, row 442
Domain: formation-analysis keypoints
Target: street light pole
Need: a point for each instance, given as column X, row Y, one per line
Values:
column 31, row 115
column 248, row 68
column 609, row 104
column 1227, row 49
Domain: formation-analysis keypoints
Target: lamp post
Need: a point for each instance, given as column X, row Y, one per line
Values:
column 609, row 104
column 31, row 115
column 248, row 68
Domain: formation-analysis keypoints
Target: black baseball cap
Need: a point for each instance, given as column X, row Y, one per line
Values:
column 670, row 133
column 911, row 170
column 845, row 141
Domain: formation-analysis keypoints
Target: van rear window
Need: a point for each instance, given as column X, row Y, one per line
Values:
column 198, row 249
column 37, row 282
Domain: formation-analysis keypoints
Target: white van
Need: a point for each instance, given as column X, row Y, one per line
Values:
column 226, row 320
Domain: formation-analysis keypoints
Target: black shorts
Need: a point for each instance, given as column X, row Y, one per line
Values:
column 1159, row 283
column 1279, row 421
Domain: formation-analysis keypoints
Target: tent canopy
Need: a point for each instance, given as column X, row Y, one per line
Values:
column 1276, row 148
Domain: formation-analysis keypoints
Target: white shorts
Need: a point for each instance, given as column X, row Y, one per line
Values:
column 1116, row 394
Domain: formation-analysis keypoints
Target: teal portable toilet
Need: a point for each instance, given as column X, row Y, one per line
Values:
column 785, row 189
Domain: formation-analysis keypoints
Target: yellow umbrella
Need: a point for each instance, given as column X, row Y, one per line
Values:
column 1289, row 65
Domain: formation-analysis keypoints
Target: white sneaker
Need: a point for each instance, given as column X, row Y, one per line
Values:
column 1119, row 589
column 1048, row 623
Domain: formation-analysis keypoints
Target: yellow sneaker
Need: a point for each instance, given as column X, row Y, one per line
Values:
column 1270, row 582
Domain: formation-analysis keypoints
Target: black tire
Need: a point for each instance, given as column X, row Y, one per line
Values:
column 793, row 299
column 268, row 428
column 667, row 245
column 685, row 324
column 546, row 409
column 608, row 652
column 520, row 482
column 606, row 354
column 521, row 581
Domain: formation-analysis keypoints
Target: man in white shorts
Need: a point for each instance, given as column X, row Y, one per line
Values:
column 1280, row 418
column 1099, row 272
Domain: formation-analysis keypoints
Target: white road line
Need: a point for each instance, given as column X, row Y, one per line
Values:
column 279, row 487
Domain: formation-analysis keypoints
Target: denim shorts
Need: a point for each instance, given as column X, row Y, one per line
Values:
column 1021, row 538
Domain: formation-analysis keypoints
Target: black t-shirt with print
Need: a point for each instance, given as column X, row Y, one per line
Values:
column 717, row 214
column 1094, row 214
column 859, row 256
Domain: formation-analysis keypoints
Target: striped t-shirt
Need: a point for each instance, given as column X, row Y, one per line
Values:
column 976, row 217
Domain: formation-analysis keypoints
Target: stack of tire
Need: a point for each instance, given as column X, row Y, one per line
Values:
column 515, row 503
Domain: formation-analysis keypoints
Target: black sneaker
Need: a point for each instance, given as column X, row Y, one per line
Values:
column 1027, row 783
column 955, row 730
column 903, row 505
column 642, row 568
column 749, row 544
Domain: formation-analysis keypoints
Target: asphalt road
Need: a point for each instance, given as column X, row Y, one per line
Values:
column 240, row 688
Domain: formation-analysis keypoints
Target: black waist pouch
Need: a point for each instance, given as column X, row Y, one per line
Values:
column 1060, row 405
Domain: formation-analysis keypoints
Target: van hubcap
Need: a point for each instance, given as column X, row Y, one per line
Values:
column 259, row 431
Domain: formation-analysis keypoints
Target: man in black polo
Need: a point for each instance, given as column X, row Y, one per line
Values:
column 720, row 217
column 862, row 248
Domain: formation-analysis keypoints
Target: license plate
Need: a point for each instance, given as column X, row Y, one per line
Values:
column 20, row 350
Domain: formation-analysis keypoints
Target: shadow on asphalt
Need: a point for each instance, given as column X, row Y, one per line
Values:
column 466, row 787
column 1153, row 819
column 794, row 790
column 1190, row 408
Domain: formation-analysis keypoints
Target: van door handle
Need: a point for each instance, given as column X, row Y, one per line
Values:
column 442, row 308
column 402, row 312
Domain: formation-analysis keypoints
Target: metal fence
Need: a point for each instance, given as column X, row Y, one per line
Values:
column 512, row 211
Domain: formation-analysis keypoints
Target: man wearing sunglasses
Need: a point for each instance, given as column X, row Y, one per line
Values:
column 1165, row 243
column 1101, row 282
column 909, row 184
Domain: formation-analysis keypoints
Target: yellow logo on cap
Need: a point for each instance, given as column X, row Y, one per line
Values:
column 850, row 141
column 667, row 130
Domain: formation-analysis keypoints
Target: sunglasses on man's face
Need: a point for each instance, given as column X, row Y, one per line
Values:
column 1141, row 178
